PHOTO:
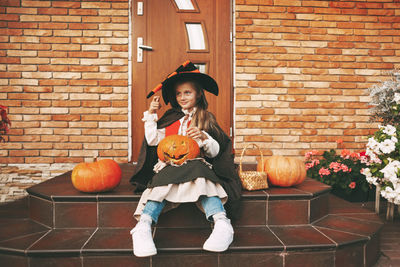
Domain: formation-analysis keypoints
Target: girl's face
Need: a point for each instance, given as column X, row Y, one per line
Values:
column 186, row 96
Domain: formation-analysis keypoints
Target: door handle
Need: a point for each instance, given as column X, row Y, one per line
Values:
column 146, row 47
column 139, row 49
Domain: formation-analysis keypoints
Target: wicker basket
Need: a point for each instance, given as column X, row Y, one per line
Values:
column 253, row 180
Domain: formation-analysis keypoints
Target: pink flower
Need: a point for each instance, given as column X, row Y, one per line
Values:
column 335, row 166
column 311, row 164
column 345, row 154
column 339, row 141
column 352, row 185
column 355, row 155
column 324, row 171
column 309, row 154
column 345, row 168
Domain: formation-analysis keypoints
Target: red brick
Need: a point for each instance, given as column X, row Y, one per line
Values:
column 85, row 40
column 55, row 40
column 10, row 75
column 291, row 9
column 381, row 12
column 22, row 25
column 381, row 52
column 54, row 138
column 83, row 82
column 83, row 12
column 342, row 4
column 38, row 160
column 95, row 103
column 350, row 25
column 66, row 117
column 389, row 19
column 369, row 5
column 10, row 3
column 23, row 153
column 83, row 26
column 113, row 82
column 52, row 82
column 327, row 11
column 53, row 25
column 380, row 65
column 96, row 19
column 9, row 17
column 53, row 11
column 53, row 68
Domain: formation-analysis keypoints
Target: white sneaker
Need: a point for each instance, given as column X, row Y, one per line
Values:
column 221, row 236
column 143, row 244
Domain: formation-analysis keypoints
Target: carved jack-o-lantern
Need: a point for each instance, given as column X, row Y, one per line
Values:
column 177, row 149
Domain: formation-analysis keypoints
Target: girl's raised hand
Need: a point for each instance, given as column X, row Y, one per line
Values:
column 154, row 105
column 195, row 133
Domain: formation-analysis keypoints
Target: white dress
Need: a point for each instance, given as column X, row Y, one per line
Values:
column 185, row 192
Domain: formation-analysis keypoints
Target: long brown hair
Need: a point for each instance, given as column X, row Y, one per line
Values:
column 202, row 119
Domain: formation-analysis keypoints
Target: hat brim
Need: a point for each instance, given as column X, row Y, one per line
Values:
column 205, row 81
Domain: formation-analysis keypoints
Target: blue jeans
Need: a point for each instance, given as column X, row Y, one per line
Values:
column 211, row 206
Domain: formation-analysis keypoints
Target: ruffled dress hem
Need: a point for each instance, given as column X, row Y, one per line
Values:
column 175, row 194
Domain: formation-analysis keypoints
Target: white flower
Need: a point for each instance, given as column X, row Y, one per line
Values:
column 372, row 180
column 372, row 147
column 391, row 168
column 389, row 130
column 387, row 146
column 396, row 98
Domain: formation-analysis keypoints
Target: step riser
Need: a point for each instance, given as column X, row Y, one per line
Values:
column 120, row 214
column 349, row 255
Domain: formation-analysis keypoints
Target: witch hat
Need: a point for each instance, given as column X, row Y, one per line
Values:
column 185, row 71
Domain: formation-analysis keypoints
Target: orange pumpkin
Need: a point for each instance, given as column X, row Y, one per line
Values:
column 177, row 149
column 284, row 171
column 98, row 176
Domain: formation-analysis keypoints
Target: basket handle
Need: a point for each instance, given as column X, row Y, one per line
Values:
column 241, row 157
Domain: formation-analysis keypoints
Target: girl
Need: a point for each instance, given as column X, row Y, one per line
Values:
column 208, row 180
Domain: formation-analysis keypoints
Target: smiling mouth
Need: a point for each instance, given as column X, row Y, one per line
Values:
column 170, row 157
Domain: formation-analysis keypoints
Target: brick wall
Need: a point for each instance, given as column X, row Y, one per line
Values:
column 64, row 77
column 303, row 69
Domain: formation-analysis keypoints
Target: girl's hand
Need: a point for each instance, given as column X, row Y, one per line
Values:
column 154, row 105
column 195, row 133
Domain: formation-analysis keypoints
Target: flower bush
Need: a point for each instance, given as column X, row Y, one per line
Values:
column 4, row 123
column 341, row 171
column 383, row 147
column 384, row 169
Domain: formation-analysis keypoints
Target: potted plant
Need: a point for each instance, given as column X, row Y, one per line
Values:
column 342, row 171
column 4, row 123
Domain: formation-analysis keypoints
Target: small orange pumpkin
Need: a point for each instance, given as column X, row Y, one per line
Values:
column 177, row 149
column 284, row 171
column 98, row 176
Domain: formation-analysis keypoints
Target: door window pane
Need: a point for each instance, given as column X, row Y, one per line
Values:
column 184, row 4
column 201, row 67
column 196, row 36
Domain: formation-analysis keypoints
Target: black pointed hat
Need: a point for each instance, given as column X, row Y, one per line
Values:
column 185, row 71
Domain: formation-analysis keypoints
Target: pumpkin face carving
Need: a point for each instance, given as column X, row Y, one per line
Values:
column 177, row 149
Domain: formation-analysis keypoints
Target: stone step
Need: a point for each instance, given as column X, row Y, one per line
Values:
column 59, row 226
column 348, row 236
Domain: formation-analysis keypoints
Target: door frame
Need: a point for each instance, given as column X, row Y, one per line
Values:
column 131, row 55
